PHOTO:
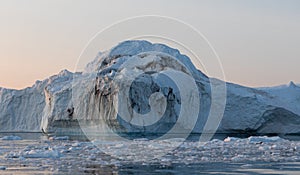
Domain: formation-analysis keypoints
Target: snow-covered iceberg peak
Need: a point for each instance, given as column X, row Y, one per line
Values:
column 135, row 47
column 293, row 85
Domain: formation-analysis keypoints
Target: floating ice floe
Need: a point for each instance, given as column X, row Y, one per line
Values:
column 263, row 139
column 11, row 138
column 59, row 138
column 230, row 139
column 42, row 154
column 38, row 152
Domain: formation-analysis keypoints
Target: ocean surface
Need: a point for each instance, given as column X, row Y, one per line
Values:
column 35, row 153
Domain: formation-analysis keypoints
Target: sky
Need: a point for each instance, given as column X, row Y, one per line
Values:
column 257, row 40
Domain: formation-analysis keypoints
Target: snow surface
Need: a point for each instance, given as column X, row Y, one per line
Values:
column 286, row 96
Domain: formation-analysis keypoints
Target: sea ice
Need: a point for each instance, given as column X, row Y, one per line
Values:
column 11, row 138
column 42, row 154
column 60, row 138
column 230, row 139
column 264, row 139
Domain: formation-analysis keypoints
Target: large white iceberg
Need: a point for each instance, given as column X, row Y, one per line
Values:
column 58, row 103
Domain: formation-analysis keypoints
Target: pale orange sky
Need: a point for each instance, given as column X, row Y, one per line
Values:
column 257, row 41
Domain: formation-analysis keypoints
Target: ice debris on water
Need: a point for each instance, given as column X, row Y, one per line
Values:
column 11, row 138
column 59, row 138
column 263, row 139
column 230, row 139
column 42, row 154
column 69, row 154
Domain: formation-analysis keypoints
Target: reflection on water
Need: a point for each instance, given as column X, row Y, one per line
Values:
column 203, row 168
column 179, row 169
column 214, row 168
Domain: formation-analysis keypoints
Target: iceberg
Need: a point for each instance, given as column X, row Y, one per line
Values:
column 60, row 102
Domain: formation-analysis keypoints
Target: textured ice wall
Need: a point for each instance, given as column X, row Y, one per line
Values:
column 23, row 110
